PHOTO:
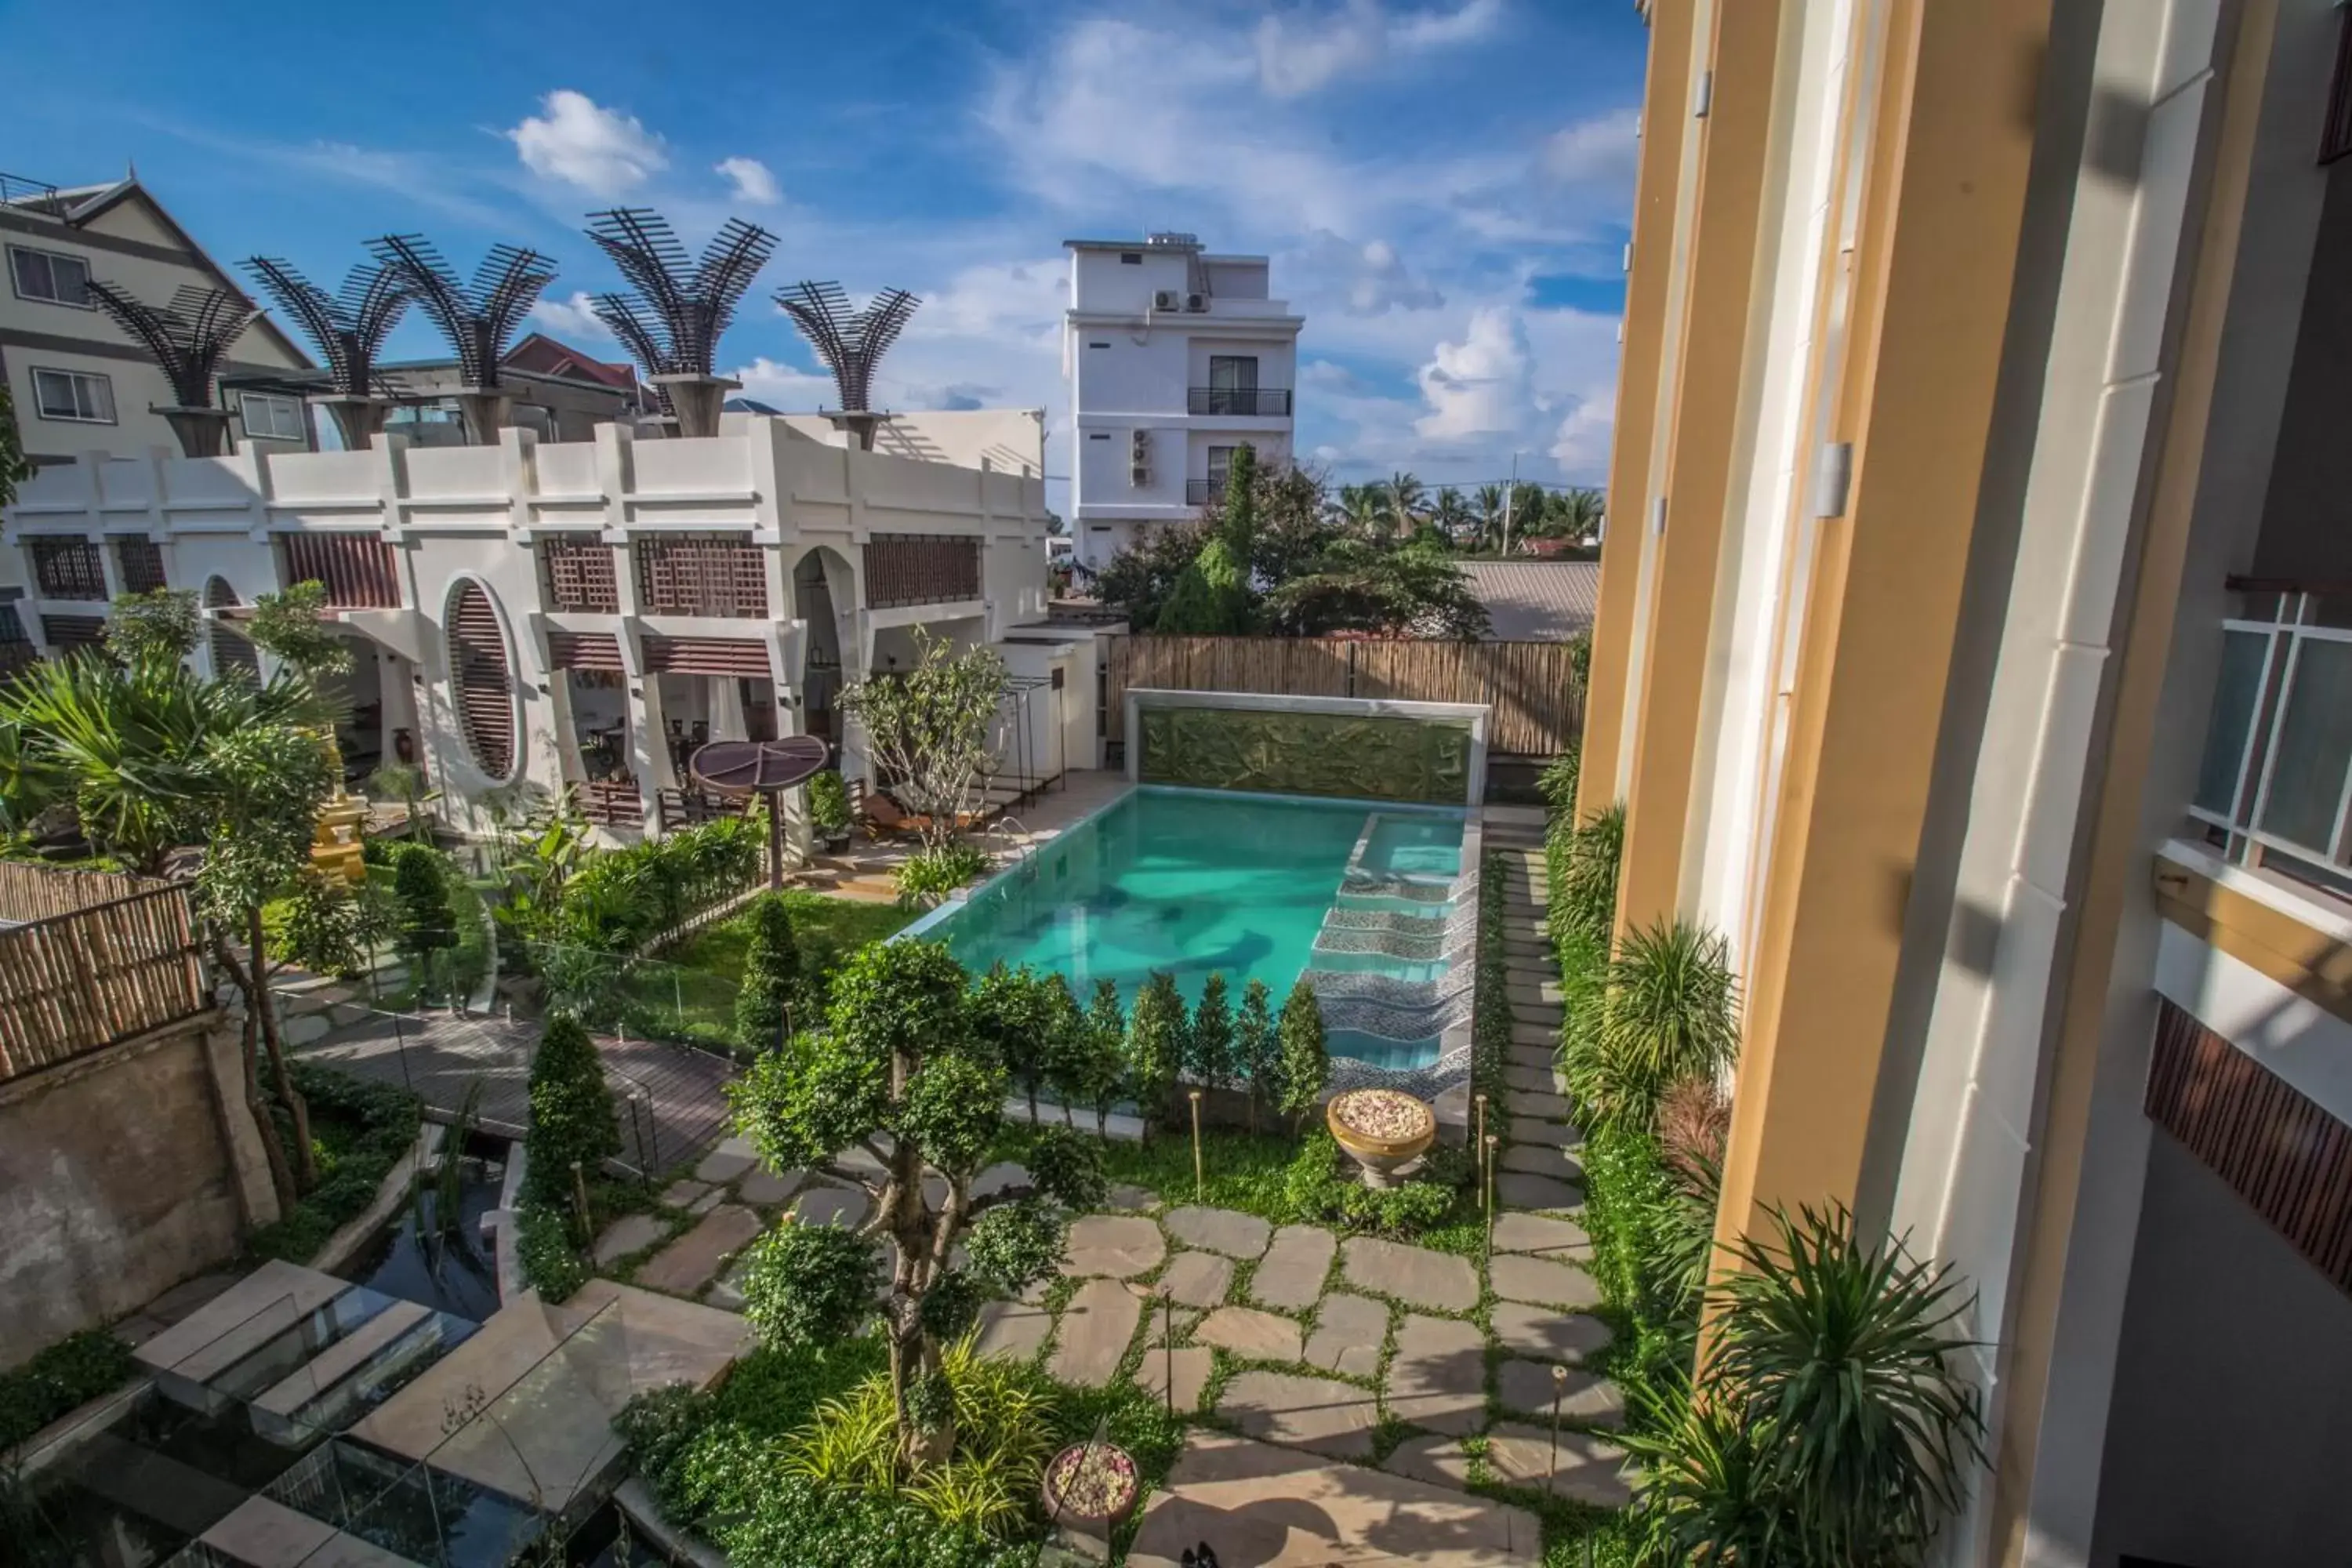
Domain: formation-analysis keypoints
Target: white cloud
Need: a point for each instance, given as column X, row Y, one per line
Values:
column 1580, row 444
column 573, row 318
column 752, row 180
column 1604, row 151
column 1301, row 53
column 1478, row 386
column 784, row 386
column 579, row 141
column 1367, row 280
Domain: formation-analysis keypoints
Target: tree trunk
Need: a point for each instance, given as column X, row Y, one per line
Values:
column 281, row 1176
column 1102, row 1122
column 914, row 1356
column 261, row 1002
column 1031, row 1088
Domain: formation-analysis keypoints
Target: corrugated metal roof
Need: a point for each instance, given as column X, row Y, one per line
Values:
column 1535, row 601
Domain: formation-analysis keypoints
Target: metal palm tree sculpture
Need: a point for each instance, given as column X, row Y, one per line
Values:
column 678, row 308
column 850, row 342
column 478, row 321
column 346, row 329
column 187, row 338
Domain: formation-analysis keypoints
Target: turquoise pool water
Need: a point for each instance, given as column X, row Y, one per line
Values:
column 1189, row 881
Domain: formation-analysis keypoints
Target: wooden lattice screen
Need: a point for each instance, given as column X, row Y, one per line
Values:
column 707, row 656
column 359, row 571
column 232, row 653
column 921, row 569
column 703, row 577
column 580, row 574
column 67, row 568
column 141, row 562
column 478, row 675
column 2277, row 1148
column 583, row 650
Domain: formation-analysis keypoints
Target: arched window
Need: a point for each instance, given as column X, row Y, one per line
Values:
column 481, row 681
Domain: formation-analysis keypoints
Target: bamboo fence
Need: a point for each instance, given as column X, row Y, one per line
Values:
column 88, row 978
column 30, row 890
column 1536, row 698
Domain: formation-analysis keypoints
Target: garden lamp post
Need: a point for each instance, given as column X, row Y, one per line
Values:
column 1199, row 1182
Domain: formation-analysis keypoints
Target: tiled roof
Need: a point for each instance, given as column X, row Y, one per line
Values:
column 1535, row 601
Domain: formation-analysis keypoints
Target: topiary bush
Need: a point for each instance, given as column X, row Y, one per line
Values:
column 772, row 981
column 1305, row 1053
column 570, row 1112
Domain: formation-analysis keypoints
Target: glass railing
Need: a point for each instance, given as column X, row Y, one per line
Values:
column 2275, row 781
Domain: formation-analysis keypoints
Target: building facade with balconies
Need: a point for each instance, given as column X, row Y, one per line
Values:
column 583, row 614
column 1175, row 358
column 1974, row 655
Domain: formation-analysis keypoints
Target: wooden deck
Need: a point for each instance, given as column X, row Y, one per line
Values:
column 669, row 1100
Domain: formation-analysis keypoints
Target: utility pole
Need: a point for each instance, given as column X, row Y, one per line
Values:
column 1510, row 496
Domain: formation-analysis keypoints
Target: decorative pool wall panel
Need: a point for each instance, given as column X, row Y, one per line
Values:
column 1277, row 752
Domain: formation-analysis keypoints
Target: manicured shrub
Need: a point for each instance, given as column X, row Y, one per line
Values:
column 420, row 890
column 1023, row 1018
column 773, row 983
column 1306, row 1056
column 1156, row 1034
column 1099, row 1072
column 1209, row 1043
column 1257, row 1048
column 550, row 1259
column 828, row 802
column 570, row 1111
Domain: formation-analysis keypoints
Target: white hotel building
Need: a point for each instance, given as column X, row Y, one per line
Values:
column 1175, row 358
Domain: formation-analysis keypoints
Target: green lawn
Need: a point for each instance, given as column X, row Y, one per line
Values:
column 694, row 984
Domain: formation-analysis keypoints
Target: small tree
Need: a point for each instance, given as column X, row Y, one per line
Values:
column 1258, row 1049
column 570, row 1111
column 899, row 1072
column 1067, row 1047
column 292, row 628
column 1014, row 1016
column 927, row 729
column 424, row 926
column 1155, row 1046
column 772, row 976
column 156, row 628
column 1306, row 1056
column 1209, row 1054
column 1101, row 1072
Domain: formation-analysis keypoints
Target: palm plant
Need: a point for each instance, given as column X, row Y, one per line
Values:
column 1363, row 508
column 1842, row 1358
column 1707, row 1498
column 1406, row 502
column 850, row 342
column 1451, row 513
column 187, row 338
column 678, row 310
column 348, row 329
column 1577, row 513
column 478, row 320
column 1668, row 1010
column 1490, row 514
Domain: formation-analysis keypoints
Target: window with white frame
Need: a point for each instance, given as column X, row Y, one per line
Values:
column 79, row 395
column 269, row 415
column 45, row 276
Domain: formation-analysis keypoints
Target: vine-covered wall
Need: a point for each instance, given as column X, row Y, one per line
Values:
column 1424, row 760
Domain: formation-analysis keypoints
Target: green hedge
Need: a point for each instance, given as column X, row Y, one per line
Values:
column 359, row 1129
column 58, row 1380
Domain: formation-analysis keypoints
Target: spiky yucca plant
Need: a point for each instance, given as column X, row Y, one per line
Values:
column 1707, row 1500
column 1841, row 1357
column 1668, row 1010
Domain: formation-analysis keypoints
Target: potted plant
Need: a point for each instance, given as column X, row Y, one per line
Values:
column 1091, row 1488
column 1383, row 1129
column 829, row 811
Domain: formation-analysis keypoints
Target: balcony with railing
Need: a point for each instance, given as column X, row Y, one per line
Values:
column 702, row 577
column 1241, row 402
column 921, row 569
column 2274, row 789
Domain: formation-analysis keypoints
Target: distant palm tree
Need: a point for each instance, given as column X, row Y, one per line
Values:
column 1451, row 513
column 1578, row 512
column 1490, row 514
column 1407, row 504
column 1363, row 508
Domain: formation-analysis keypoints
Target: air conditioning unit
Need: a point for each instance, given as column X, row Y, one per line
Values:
column 1166, row 299
column 1196, row 303
column 1139, row 477
column 1139, row 445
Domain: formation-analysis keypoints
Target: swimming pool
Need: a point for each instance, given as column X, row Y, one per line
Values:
column 1365, row 900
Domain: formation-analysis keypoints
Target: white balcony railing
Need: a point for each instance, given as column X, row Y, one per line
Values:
column 2275, row 786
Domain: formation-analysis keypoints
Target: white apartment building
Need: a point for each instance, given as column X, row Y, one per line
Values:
column 1175, row 358
column 80, row 384
column 583, row 614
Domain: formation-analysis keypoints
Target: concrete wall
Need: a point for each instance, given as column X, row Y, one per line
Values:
column 2303, row 532
column 2226, row 1435
column 122, row 1174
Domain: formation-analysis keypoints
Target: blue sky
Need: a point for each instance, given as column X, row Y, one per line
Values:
column 1443, row 185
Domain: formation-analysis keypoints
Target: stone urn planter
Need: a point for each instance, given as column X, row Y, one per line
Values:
column 1091, row 1488
column 1383, row 1129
